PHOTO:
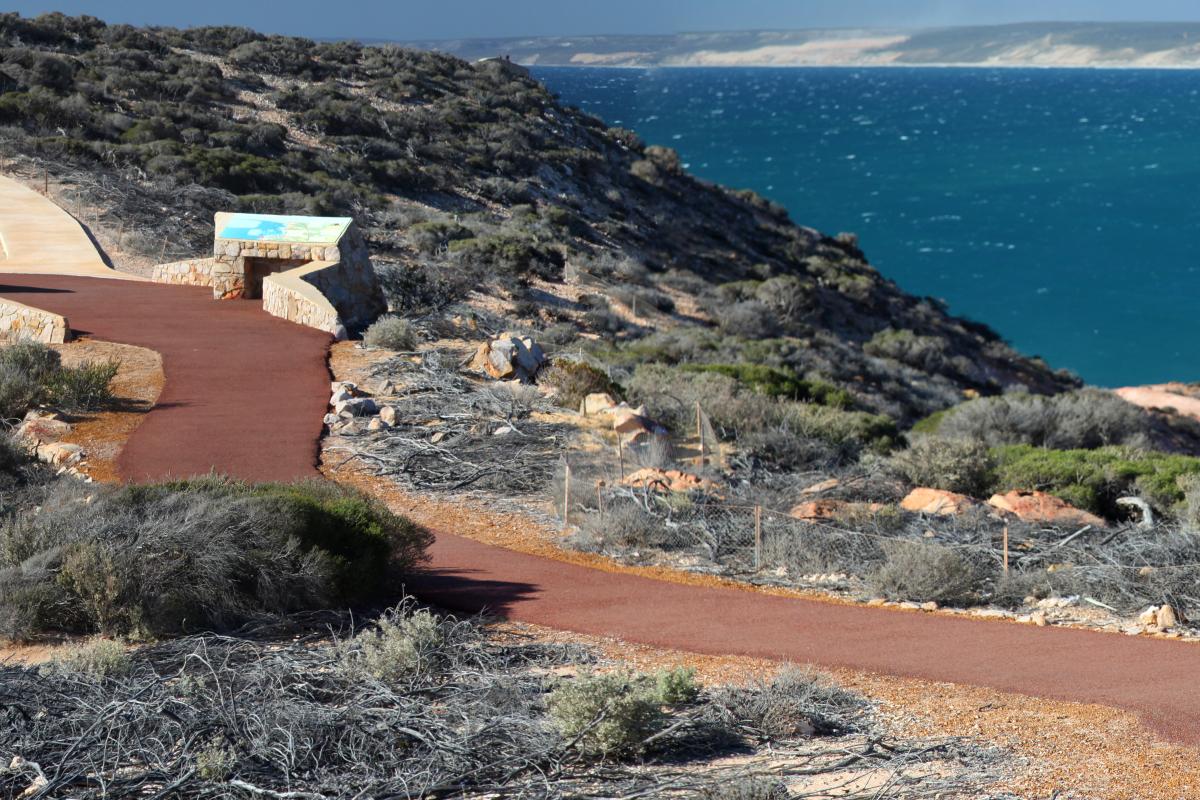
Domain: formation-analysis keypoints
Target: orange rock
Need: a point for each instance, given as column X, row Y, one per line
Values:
column 1042, row 507
column 937, row 501
column 667, row 480
column 818, row 510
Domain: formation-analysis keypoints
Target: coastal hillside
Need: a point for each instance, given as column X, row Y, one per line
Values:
column 481, row 195
column 1063, row 44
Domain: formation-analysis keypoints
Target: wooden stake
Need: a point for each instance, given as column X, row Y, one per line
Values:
column 46, row 182
column 620, row 458
column 600, row 499
column 1005, row 549
column 567, row 496
column 758, row 537
column 163, row 253
column 700, row 432
column 120, row 233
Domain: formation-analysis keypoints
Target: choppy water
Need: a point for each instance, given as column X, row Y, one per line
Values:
column 1062, row 207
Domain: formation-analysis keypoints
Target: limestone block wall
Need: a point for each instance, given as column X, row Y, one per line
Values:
column 192, row 272
column 290, row 296
column 19, row 321
column 340, row 273
column 350, row 285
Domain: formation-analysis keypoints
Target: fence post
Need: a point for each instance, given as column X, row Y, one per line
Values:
column 758, row 537
column 1006, row 549
column 600, row 498
column 700, row 431
column 46, row 181
column 567, row 496
column 620, row 458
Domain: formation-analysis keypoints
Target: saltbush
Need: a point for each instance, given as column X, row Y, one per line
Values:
column 925, row 572
column 608, row 715
column 1081, row 420
column 572, row 381
column 401, row 644
column 97, row 657
column 390, row 333
column 950, row 464
column 161, row 559
column 794, row 703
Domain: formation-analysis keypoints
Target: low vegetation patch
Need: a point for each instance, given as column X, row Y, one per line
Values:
column 573, row 380
column 168, row 558
column 390, row 333
column 32, row 374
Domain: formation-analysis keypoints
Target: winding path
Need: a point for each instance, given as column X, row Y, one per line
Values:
column 245, row 393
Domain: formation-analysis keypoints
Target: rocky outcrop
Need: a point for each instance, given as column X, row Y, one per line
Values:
column 1043, row 508
column 597, row 403
column 938, row 502
column 509, row 357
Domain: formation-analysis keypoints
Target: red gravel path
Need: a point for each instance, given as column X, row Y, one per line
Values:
column 245, row 394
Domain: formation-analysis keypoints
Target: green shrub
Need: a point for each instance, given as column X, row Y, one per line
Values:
column 953, row 465
column 926, row 353
column 676, row 686
column 87, row 387
column 401, row 644
column 747, row 789
column 775, row 382
column 390, row 333
column 1080, row 420
column 1094, row 479
column 608, row 715
column 572, row 381
column 209, row 553
column 32, row 374
column 924, row 572
column 99, row 658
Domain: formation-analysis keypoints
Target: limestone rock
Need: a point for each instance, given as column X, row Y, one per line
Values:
column 596, row 403
column 509, row 357
column 358, row 407
column 1149, row 616
column 1045, row 508
column 937, row 501
column 332, row 419
column 1038, row 618
column 60, row 453
column 42, row 430
column 826, row 509
column 634, row 421
column 388, row 415
column 667, row 480
column 376, row 424
column 1166, row 618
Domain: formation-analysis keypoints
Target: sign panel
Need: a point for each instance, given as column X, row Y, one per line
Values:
column 287, row 229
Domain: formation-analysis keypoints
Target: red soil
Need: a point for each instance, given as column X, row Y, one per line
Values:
column 245, row 394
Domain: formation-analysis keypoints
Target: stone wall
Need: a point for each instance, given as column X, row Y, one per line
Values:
column 290, row 296
column 341, row 272
column 192, row 272
column 18, row 321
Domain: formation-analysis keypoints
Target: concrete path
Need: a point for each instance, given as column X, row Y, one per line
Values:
column 36, row 236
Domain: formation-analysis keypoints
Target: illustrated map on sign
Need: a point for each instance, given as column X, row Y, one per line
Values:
column 277, row 228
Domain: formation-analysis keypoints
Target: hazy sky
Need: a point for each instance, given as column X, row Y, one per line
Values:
column 427, row 19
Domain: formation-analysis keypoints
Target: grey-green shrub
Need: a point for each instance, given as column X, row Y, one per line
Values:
column 924, row 572
column 796, row 702
column 401, row 644
column 607, row 715
column 390, row 333
column 99, row 658
column 954, row 465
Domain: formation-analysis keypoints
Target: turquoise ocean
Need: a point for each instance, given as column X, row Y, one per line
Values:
column 1060, row 206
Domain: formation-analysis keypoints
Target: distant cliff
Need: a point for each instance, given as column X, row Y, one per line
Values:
column 1063, row 44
